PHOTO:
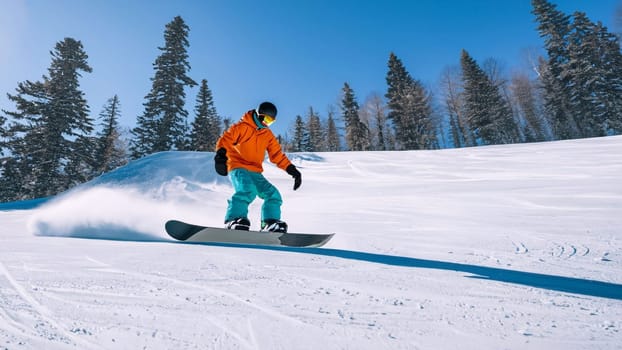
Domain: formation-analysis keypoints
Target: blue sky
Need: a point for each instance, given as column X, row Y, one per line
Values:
column 297, row 54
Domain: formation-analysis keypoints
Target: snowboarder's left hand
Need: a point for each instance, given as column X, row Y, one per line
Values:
column 291, row 169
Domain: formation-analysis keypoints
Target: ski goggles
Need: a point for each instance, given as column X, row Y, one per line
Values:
column 267, row 120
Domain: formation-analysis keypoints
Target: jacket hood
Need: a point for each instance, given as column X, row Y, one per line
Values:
column 250, row 118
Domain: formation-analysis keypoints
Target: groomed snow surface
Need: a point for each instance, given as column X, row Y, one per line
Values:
column 502, row 247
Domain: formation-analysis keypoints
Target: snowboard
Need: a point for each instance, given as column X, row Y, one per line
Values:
column 204, row 234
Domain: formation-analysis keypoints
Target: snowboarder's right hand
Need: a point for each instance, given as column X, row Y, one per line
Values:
column 220, row 161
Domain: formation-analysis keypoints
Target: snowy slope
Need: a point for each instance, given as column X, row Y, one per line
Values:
column 502, row 247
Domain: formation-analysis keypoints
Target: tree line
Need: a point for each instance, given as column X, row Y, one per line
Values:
column 576, row 92
column 50, row 142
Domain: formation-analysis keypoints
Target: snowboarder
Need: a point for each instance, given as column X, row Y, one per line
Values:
column 240, row 152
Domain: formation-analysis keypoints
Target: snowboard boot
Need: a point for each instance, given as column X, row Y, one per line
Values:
column 238, row 224
column 273, row 225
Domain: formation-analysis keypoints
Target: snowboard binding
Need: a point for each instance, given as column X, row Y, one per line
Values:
column 272, row 225
column 238, row 224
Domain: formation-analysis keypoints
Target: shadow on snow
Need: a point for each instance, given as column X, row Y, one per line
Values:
column 556, row 283
column 537, row 280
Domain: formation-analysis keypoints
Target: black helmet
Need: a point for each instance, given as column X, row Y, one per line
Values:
column 267, row 108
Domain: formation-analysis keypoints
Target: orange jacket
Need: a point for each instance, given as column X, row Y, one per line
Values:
column 246, row 145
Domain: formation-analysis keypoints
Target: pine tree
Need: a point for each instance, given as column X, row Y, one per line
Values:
column 357, row 135
column 68, row 101
column 582, row 70
column 554, row 27
column 26, row 127
column 314, row 141
column 298, row 141
column 487, row 113
column 494, row 71
column 333, row 143
column 163, row 125
column 409, row 108
column 582, row 76
column 611, row 63
column 206, row 128
column 594, row 68
column 48, row 138
column 9, row 187
column 398, row 82
column 111, row 153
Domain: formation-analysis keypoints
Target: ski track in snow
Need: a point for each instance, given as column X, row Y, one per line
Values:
column 568, row 250
column 216, row 292
column 45, row 325
column 520, row 248
column 241, row 339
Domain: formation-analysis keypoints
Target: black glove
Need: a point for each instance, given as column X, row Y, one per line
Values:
column 291, row 169
column 220, row 162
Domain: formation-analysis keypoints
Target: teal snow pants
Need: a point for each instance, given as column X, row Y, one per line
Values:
column 247, row 186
